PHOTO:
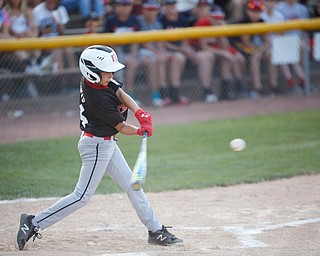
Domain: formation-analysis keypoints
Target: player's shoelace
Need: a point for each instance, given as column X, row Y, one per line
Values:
column 164, row 230
column 35, row 234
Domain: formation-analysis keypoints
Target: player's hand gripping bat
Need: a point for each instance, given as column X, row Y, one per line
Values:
column 139, row 173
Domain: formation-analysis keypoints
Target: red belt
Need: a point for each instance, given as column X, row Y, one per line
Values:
column 91, row 136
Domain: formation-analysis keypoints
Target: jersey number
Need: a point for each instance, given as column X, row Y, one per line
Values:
column 83, row 119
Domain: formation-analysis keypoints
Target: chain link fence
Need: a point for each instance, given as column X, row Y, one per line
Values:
column 53, row 84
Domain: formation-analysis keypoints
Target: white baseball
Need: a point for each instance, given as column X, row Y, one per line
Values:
column 238, row 144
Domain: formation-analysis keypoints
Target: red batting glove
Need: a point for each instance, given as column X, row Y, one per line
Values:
column 143, row 117
column 147, row 128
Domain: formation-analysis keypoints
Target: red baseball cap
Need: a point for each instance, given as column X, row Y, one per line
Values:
column 151, row 5
column 217, row 13
column 255, row 5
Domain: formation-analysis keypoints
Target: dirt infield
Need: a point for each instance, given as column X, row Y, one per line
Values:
column 272, row 218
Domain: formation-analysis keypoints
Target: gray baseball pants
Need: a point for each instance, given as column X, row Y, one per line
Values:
column 99, row 156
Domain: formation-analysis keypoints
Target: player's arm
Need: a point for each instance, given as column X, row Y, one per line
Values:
column 127, row 100
column 143, row 117
column 127, row 129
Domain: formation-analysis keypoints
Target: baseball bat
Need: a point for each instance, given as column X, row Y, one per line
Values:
column 139, row 172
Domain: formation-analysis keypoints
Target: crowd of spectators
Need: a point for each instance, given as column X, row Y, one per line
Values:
column 164, row 62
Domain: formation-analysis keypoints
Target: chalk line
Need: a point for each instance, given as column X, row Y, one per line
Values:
column 245, row 235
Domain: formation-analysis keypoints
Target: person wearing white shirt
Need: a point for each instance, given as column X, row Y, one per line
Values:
column 51, row 18
column 291, row 10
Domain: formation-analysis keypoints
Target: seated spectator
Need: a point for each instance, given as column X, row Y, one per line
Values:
column 22, row 26
column 51, row 18
column 292, row 10
column 149, row 21
column 232, row 61
column 9, row 61
column 254, row 47
column 123, row 21
column 271, row 15
column 177, row 52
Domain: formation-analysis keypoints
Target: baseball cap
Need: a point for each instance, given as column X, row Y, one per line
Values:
column 255, row 5
column 151, row 5
column 169, row 1
column 217, row 13
column 123, row 1
column 205, row 2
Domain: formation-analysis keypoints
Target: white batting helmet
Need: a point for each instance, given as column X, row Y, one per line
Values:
column 96, row 59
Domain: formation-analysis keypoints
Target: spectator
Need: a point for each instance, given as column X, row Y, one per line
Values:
column 292, row 10
column 22, row 26
column 86, row 8
column 271, row 15
column 51, row 18
column 149, row 21
column 204, row 56
column 123, row 21
column 9, row 61
column 232, row 61
column 178, row 52
column 254, row 47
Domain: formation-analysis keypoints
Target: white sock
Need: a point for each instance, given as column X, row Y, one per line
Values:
column 34, row 223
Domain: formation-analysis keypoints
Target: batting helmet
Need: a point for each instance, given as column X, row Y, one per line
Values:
column 96, row 59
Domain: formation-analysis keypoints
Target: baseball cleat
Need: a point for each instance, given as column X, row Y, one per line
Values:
column 163, row 237
column 26, row 231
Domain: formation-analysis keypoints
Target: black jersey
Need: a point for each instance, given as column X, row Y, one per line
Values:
column 181, row 22
column 100, row 108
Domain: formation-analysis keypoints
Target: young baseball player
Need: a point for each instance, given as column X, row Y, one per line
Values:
column 103, row 112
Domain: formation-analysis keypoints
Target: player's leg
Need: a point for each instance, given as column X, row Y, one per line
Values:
column 120, row 172
column 95, row 154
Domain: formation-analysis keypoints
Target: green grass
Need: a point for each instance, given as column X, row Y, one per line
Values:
column 179, row 156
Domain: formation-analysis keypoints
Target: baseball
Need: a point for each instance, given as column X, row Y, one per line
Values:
column 238, row 144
